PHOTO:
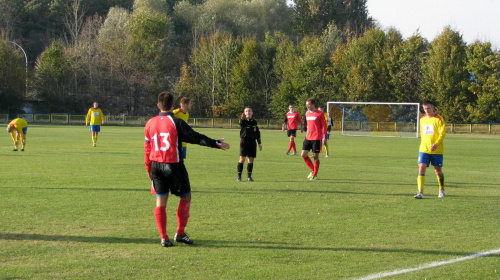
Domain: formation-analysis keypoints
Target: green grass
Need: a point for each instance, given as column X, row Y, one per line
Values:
column 71, row 211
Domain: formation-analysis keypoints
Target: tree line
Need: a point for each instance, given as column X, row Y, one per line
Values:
column 228, row 54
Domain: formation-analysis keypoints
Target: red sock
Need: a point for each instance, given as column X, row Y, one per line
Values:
column 309, row 163
column 290, row 145
column 293, row 146
column 161, row 221
column 316, row 167
column 182, row 215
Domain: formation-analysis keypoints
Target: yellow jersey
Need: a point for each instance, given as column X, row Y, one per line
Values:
column 94, row 116
column 432, row 131
column 18, row 124
column 183, row 116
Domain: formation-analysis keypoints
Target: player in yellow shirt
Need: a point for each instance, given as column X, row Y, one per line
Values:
column 17, row 129
column 183, row 114
column 328, row 121
column 432, row 132
column 95, row 118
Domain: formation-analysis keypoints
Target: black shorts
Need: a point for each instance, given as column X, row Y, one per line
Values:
column 314, row 145
column 291, row 132
column 248, row 148
column 170, row 177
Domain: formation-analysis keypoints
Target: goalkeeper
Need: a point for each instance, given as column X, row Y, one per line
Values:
column 432, row 132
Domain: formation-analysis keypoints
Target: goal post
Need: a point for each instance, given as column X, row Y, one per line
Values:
column 378, row 119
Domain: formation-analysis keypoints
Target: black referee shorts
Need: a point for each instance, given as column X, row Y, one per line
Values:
column 248, row 148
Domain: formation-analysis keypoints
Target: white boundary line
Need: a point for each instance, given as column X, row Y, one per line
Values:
column 425, row 266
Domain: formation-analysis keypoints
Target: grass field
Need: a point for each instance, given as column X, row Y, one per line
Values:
column 71, row 211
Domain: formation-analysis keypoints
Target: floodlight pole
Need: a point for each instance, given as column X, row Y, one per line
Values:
column 26, row 61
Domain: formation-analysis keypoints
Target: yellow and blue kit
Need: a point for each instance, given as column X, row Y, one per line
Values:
column 94, row 116
column 20, row 127
column 432, row 131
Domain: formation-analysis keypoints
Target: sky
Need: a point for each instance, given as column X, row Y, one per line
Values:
column 473, row 19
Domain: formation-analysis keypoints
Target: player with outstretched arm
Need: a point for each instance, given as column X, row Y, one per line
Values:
column 249, row 133
column 164, row 135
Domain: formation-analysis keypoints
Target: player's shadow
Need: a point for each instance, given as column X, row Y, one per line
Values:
column 249, row 244
column 69, row 238
column 265, row 245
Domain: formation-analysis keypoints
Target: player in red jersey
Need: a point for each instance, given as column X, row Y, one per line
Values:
column 164, row 135
column 316, row 131
column 292, row 121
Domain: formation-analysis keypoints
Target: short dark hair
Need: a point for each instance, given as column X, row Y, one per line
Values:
column 165, row 101
column 428, row 102
column 312, row 101
column 185, row 100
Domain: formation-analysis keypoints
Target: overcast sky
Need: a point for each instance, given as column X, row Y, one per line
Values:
column 473, row 19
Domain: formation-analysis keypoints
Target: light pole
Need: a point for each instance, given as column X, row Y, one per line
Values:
column 26, row 61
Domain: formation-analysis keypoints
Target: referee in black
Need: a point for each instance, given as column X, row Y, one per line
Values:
column 249, row 133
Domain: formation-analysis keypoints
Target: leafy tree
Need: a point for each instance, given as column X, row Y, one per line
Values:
column 12, row 78
column 52, row 79
column 360, row 69
column 245, row 82
column 483, row 65
column 314, row 16
column 211, row 63
column 300, row 71
column 405, row 68
column 445, row 76
column 133, row 47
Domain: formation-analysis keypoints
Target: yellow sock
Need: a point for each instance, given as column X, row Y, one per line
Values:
column 93, row 139
column 421, row 182
column 441, row 181
column 326, row 148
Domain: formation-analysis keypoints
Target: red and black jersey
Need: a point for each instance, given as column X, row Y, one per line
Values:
column 316, row 125
column 164, row 135
column 292, row 120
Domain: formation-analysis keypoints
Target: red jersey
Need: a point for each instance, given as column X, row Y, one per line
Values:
column 161, row 140
column 292, row 119
column 316, row 125
column 164, row 135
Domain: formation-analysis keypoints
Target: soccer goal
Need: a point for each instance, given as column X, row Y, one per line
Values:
column 378, row 119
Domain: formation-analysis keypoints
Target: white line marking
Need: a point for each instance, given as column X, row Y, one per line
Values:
column 425, row 266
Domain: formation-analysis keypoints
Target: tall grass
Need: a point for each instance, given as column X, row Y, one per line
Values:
column 72, row 211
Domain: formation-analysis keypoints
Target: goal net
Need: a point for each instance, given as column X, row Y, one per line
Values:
column 375, row 118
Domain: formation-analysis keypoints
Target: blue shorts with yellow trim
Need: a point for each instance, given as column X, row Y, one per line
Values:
column 95, row 128
column 434, row 159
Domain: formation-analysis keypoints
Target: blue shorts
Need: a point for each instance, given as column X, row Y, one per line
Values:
column 435, row 160
column 184, row 152
column 25, row 130
column 95, row 128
